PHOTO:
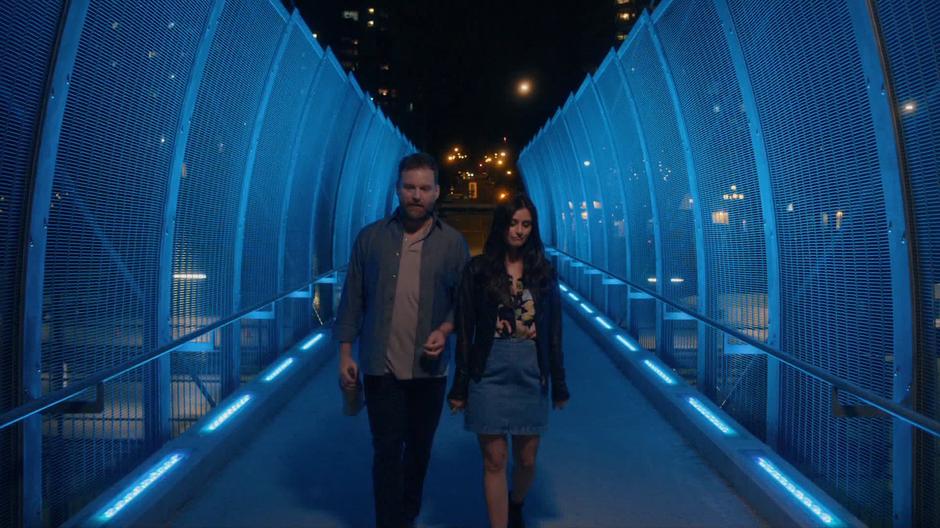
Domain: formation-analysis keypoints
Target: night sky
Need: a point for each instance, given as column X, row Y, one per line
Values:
column 460, row 61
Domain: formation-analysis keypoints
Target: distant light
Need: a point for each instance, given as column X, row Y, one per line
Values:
column 160, row 469
column 600, row 320
column 313, row 340
column 587, row 163
column 371, row 10
column 229, row 411
column 626, row 343
column 314, row 35
column 189, row 276
column 710, row 416
column 651, row 279
column 370, row 23
column 509, row 173
column 573, row 297
column 279, row 369
column 659, row 372
column 524, row 87
column 586, row 308
column 805, row 498
column 677, row 280
column 562, row 287
column 909, row 107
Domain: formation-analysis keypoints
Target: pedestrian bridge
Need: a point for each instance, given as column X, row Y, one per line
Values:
column 741, row 201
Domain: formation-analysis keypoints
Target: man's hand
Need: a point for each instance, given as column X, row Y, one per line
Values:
column 435, row 344
column 348, row 369
column 457, row 405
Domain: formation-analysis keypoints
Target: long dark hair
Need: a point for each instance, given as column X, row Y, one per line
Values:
column 537, row 271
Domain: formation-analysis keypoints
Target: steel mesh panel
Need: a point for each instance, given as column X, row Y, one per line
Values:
column 637, row 208
column 593, row 201
column 648, row 84
column 568, row 177
column 729, row 195
column 326, row 97
column 835, row 286
column 911, row 32
column 23, row 68
column 546, row 170
column 269, row 179
column 195, row 379
column 337, row 145
column 109, row 192
column 349, row 180
column 84, row 454
column 366, row 177
column 226, row 106
column 608, row 180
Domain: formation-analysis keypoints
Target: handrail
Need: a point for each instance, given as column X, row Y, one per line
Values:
column 916, row 419
column 20, row 413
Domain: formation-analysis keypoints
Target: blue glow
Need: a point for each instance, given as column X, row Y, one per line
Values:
column 626, row 343
column 278, row 369
column 229, row 411
column 573, row 297
column 600, row 320
column 805, row 499
column 586, row 308
column 659, row 372
column 562, row 287
column 710, row 416
column 312, row 342
column 159, row 469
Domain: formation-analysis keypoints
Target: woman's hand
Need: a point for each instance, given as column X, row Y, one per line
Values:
column 457, row 405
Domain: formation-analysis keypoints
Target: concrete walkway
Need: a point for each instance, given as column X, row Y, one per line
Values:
column 609, row 460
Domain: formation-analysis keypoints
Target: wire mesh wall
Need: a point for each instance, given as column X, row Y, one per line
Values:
column 771, row 136
column 192, row 152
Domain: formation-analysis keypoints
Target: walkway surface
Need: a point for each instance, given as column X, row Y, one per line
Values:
column 608, row 460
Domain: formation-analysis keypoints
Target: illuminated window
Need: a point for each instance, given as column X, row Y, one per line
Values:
column 383, row 92
column 384, row 67
column 371, row 10
column 624, row 16
column 351, row 15
column 621, row 36
column 472, row 190
column 370, row 23
column 720, row 217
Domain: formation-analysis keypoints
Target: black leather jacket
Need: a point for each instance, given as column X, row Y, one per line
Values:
column 475, row 321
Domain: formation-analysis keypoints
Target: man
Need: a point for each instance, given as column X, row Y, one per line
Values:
column 399, row 301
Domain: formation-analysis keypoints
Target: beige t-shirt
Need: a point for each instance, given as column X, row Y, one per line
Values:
column 400, row 355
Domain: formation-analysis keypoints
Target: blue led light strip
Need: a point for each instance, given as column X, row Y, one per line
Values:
column 236, row 406
column 160, row 469
column 280, row 368
column 626, row 343
column 805, row 498
column 659, row 372
column 562, row 287
column 710, row 416
column 313, row 341
column 600, row 320
column 573, row 297
column 586, row 308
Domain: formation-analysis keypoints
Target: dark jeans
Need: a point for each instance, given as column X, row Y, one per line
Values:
column 403, row 417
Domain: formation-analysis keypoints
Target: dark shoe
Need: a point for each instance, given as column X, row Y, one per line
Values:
column 515, row 514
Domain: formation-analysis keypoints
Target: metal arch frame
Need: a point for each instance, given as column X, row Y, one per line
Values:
column 701, row 262
column 328, row 58
column 348, row 169
column 292, row 171
column 605, row 119
column 768, row 211
column 231, row 376
column 898, row 212
column 566, row 127
column 576, row 111
column 33, row 256
column 159, row 428
column 648, row 168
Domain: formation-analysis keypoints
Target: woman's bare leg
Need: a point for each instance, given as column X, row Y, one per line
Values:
column 495, row 455
column 524, row 450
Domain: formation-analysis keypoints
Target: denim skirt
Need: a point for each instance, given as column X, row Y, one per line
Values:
column 509, row 398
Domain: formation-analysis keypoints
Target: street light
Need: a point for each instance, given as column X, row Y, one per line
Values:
column 524, row 87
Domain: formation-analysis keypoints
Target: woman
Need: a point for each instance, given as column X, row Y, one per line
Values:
column 508, row 319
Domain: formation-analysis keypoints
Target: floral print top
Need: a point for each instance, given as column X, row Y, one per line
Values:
column 518, row 319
